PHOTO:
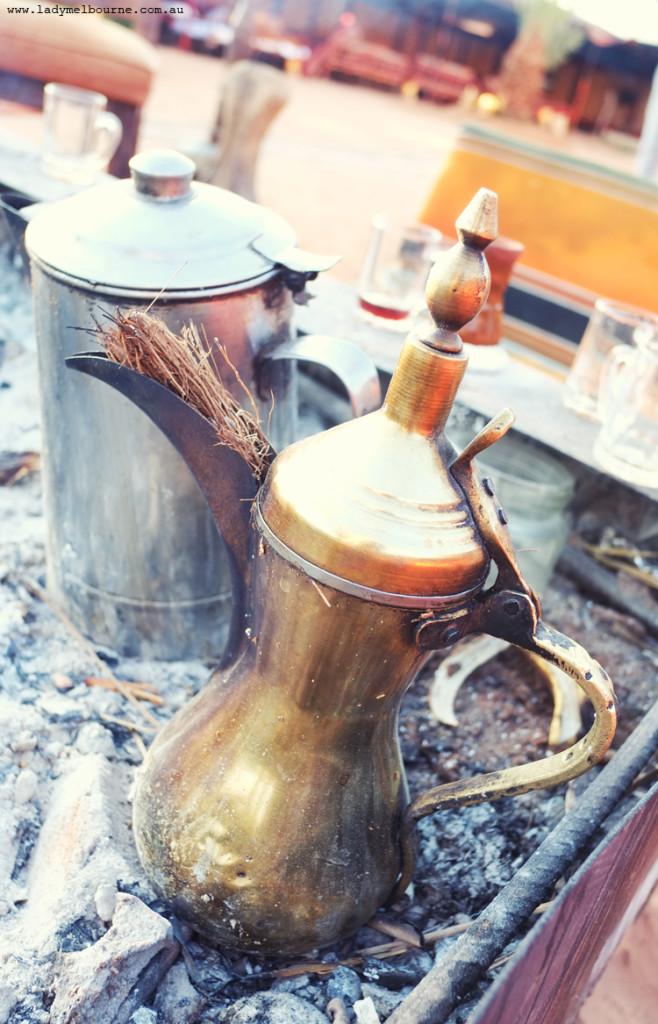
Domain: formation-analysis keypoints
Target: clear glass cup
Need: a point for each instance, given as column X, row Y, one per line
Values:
column 80, row 136
column 611, row 324
column 395, row 271
column 627, row 443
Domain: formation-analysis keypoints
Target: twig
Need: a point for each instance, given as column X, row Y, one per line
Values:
column 194, row 1016
column 436, row 934
column 139, row 743
column 434, row 999
column 14, row 467
column 398, row 930
column 614, row 558
column 133, row 729
column 620, row 552
column 142, row 691
column 125, row 723
column 500, row 961
column 165, row 286
column 386, row 950
column 322, row 595
column 644, row 780
column 602, row 584
column 313, row 967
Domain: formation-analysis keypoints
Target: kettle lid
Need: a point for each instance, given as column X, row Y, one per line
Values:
column 162, row 229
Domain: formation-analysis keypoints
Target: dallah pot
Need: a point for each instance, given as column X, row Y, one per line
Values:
column 133, row 555
column 272, row 811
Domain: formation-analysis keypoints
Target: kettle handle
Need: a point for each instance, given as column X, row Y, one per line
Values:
column 510, row 611
column 355, row 370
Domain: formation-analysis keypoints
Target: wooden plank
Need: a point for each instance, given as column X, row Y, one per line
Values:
column 557, row 964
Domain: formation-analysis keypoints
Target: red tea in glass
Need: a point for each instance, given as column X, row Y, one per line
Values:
column 396, row 269
column 381, row 305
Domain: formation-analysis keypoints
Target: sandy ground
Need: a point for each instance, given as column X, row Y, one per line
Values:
column 335, row 155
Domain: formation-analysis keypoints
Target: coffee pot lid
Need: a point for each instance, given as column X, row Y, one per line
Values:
column 160, row 229
column 371, row 507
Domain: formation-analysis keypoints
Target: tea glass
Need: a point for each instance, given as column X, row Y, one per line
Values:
column 611, row 324
column 627, row 443
column 395, row 270
column 80, row 135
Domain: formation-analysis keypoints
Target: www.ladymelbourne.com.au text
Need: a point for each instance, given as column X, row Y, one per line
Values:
column 62, row 9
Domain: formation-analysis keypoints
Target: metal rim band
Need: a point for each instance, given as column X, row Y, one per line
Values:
column 355, row 589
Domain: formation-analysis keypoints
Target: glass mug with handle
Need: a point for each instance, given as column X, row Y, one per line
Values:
column 610, row 324
column 627, row 443
column 80, row 135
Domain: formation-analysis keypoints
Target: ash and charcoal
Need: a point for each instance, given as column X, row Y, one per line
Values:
column 82, row 935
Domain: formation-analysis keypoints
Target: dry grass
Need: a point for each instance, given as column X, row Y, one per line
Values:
column 189, row 367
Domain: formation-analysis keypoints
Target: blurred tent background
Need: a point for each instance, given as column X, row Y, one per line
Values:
column 591, row 62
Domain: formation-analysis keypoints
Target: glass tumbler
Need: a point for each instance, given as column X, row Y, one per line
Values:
column 395, row 270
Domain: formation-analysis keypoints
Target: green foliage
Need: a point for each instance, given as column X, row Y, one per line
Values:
column 543, row 18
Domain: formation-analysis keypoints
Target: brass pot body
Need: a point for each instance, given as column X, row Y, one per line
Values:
column 268, row 811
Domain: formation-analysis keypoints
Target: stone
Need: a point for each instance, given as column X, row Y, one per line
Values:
column 105, row 900
column 83, row 844
column 144, row 1016
column 114, row 977
column 337, row 1011
column 25, row 741
column 94, row 738
column 62, row 682
column 176, row 999
column 291, row 984
column 383, row 999
column 271, row 1008
column 365, row 1011
column 344, row 984
column 59, row 707
column 25, row 786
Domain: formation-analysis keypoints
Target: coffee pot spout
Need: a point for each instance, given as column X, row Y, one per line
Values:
column 224, row 476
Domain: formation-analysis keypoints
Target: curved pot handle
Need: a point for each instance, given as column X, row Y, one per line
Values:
column 354, row 369
column 554, row 770
column 508, row 610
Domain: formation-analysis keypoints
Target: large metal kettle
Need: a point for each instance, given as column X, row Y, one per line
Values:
column 133, row 556
column 272, row 811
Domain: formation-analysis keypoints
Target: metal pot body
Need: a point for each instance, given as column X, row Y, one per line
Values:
column 133, row 555
column 268, row 810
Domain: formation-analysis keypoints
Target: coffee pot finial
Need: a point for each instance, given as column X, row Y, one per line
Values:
column 459, row 282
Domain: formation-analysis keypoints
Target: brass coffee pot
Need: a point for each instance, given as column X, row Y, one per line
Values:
column 272, row 811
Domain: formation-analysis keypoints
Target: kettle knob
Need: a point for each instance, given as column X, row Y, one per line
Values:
column 162, row 174
column 459, row 282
